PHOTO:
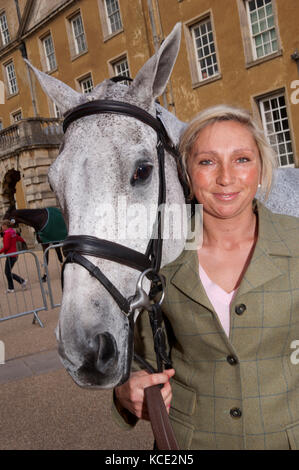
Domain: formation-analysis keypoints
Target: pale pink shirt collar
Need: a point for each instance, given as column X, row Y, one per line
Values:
column 219, row 298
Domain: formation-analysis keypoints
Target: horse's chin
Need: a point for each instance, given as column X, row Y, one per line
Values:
column 88, row 372
column 87, row 377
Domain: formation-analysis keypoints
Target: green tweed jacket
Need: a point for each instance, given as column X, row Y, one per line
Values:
column 241, row 391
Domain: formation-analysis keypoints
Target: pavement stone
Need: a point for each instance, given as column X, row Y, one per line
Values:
column 41, row 408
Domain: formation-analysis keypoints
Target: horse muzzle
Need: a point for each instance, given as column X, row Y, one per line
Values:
column 96, row 362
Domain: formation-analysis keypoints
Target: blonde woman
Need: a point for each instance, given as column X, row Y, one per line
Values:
column 232, row 306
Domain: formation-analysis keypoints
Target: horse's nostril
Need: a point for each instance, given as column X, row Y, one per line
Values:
column 106, row 357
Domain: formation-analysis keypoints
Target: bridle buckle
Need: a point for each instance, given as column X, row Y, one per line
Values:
column 141, row 299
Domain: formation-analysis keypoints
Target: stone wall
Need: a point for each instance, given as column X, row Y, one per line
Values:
column 29, row 147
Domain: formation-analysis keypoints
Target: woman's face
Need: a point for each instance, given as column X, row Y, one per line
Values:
column 225, row 169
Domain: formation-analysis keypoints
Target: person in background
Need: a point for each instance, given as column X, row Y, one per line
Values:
column 10, row 239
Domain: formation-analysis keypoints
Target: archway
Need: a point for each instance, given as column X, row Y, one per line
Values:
column 9, row 187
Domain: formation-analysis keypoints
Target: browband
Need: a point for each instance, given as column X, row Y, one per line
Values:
column 119, row 107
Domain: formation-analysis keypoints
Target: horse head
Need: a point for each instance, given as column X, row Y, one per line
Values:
column 106, row 178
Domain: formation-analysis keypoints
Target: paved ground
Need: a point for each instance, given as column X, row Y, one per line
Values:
column 40, row 406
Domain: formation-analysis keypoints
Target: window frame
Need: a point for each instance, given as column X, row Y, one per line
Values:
column 106, row 29
column 276, row 94
column 248, row 43
column 13, row 115
column 85, row 79
column 4, row 42
column 109, row 23
column 192, row 56
column 46, row 56
column 11, row 92
column 252, row 36
column 199, row 25
column 116, row 63
column 72, row 20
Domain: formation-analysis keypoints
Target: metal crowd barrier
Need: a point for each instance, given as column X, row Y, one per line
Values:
column 52, row 273
column 23, row 301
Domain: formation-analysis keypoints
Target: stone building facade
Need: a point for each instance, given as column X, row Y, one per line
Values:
column 241, row 52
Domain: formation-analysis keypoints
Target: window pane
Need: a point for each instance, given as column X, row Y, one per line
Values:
column 258, row 40
column 267, row 48
column 261, row 13
column 274, row 46
column 255, row 28
column 270, row 21
column 4, row 29
column 259, row 51
column 281, row 101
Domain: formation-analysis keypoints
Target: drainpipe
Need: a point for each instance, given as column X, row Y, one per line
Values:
column 18, row 11
column 156, row 40
column 295, row 57
column 24, row 55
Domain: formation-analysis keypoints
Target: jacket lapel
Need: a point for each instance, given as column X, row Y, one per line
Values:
column 186, row 279
column 262, row 267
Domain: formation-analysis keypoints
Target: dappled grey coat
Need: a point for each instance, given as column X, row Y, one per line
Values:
column 240, row 392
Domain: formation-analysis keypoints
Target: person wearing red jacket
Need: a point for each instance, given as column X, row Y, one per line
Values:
column 10, row 239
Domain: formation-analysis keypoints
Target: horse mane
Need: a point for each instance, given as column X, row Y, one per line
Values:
column 35, row 218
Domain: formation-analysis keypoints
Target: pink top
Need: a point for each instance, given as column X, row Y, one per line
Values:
column 219, row 298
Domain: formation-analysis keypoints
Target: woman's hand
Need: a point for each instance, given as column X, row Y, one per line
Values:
column 130, row 395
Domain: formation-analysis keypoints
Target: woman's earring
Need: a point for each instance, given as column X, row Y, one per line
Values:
column 259, row 185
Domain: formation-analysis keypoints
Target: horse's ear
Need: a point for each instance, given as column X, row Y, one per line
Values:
column 62, row 95
column 152, row 78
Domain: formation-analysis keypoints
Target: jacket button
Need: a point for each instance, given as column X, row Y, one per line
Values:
column 232, row 360
column 236, row 413
column 240, row 309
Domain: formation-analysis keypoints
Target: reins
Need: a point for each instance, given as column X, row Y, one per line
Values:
column 75, row 248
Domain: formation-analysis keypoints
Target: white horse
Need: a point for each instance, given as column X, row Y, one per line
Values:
column 106, row 157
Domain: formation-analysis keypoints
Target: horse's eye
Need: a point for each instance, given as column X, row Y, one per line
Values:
column 141, row 173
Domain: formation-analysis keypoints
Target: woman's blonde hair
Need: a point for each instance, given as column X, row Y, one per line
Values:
column 229, row 113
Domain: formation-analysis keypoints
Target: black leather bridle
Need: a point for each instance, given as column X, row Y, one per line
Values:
column 76, row 247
